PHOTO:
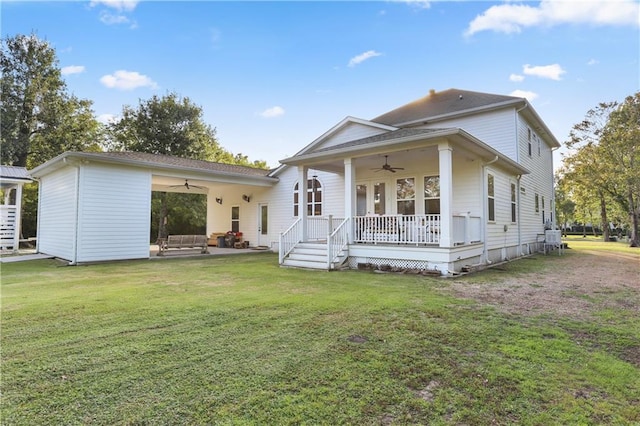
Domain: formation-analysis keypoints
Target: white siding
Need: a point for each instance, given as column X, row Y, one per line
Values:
column 497, row 236
column 350, row 132
column 467, row 186
column 114, row 213
column 57, row 213
column 539, row 181
column 495, row 128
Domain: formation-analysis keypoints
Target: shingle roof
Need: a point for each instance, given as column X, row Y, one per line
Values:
column 168, row 160
column 442, row 103
column 395, row 134
column 14, row 172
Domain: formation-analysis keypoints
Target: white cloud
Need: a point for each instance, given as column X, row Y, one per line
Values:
column 109, row 19
column 363, row 57
column 119, row 5
column 512, row 18
column 516, row 77
column 552, row 72
column 419, row 4
column 127, row 80
column 106, row 118
column 72, row 69
column 524, row 94
column 272, row 112
column 593, row 62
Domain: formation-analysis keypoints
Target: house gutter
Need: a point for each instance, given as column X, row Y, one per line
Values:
column 485, row 253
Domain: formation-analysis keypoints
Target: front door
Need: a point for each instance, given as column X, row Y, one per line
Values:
column 263, row 225
column 371, row 198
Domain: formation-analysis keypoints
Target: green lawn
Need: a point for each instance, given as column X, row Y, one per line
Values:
column 238, row 340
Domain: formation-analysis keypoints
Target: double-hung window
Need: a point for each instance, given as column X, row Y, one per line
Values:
column 432, row 194
column 491, row 200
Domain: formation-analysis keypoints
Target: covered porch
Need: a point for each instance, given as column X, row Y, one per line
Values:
column 412, row 197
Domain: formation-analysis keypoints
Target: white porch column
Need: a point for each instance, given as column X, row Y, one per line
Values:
column 302, row 201
column 18, row 224
column 349, row 193
column 446, row 193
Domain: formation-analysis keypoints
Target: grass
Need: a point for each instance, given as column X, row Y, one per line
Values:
column 237, row 340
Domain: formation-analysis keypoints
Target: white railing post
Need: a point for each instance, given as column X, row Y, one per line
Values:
column 467, row 228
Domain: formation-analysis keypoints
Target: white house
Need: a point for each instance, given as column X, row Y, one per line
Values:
column 456, row 178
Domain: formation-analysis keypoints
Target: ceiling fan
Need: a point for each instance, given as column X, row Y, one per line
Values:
column 187, row 185
column 386, row 166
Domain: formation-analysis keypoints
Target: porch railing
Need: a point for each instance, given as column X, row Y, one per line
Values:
column 288, row 239
column 319, row 227
column 337, row 242
column 8, row 230
column 414, row 229
column 401, row 229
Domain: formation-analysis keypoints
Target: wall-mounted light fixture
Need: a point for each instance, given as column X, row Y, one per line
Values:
column 219, row 200
column 246, row 198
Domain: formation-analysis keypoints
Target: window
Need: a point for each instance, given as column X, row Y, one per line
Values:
column 529, row 141
column 513, row 202
column 537, row 203
column 379, row 198
column 539, row 145
column 235, row 219
column 543, row 209
column 491, row 201
column 432, row 194
column 314, row 198
column 406, row 195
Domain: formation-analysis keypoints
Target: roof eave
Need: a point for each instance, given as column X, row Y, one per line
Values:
column 67, row 157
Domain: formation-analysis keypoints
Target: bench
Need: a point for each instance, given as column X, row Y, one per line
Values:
column 182, row 242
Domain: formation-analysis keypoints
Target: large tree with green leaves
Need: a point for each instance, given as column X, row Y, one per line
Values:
column 603, row 164
column 40, row 119
column 171, row 125
column 620, row 150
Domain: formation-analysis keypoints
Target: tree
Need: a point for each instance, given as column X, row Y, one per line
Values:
column 620, row 150
column 170, row 125
column 39, row 118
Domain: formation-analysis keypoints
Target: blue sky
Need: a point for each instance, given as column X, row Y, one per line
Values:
column 273, row 76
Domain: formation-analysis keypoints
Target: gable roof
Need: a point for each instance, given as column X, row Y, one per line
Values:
column 13, row 175
column 445, row 103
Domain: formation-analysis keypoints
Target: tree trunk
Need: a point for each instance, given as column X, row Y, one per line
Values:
column 603, row 217
column 633, row 211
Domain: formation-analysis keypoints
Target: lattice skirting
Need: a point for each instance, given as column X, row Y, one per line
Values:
column 393, row 263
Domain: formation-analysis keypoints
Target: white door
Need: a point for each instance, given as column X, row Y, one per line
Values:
column 263, row 225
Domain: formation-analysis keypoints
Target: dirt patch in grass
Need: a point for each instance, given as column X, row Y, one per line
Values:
column 576, row 285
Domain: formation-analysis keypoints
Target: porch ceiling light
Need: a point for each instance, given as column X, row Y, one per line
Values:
column 246, row 198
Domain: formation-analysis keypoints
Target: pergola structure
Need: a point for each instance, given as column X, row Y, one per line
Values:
column 12, row 179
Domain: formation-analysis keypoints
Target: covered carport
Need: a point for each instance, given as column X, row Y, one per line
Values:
column 97, row 206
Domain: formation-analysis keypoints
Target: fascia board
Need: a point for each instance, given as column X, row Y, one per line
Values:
column 80, row 157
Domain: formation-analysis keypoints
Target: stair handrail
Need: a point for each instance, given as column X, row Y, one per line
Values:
column 337, row 241
column 288, row 239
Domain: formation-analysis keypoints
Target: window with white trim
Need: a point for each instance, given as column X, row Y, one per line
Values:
column 235, row 218
column 529, row 141
column 537, row 203
column 313, row 198
column 406, row 195
column 513, row 203
column 491, row 201
column 432, row 194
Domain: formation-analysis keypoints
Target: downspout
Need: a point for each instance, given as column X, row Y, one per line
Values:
column 485, row 207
